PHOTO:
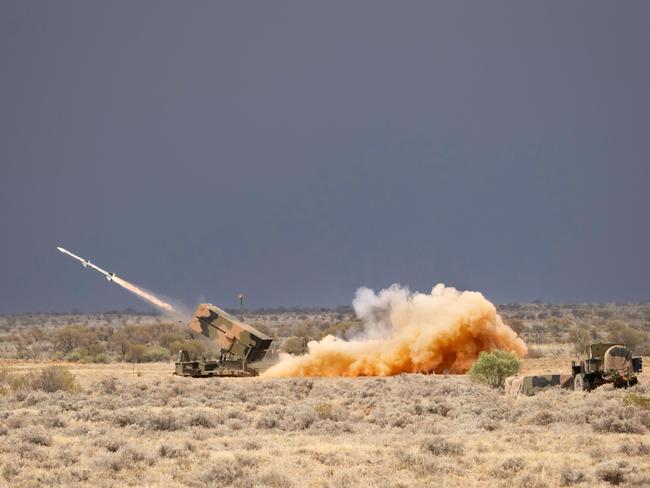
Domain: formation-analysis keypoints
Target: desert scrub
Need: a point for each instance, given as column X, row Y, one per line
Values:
column 571, row 476
column 299, row 417
column 164, row 421
column 107, row 386
column 637, row 400
column 439, row 408
column 156, row 353
column 201, row 419
column 51, row 379
column 285, row 441
column 167, row 451
column 622, row 421
column 131, row 416
column 543, row 417
column 492, row 368
column 271, row 418
column 125, row 458
column 512, row 465
column 330, row 411
column 222, row 472
column 614, row 472
column 36, row 436
column 5, row 377
column 110, row 443
column 54, row 422
column 274, row 479
column 9, row 472
column 439, row 446
column 638, row 449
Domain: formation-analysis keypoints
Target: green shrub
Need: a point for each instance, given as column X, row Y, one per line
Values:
column 136, row 353
column 637, row 400
column 492, row 368
column 195, row 348
column 67, row 339
column 167, row 339
column 156, row 353
column 102, row 358
column 143, row 354
column 74, row 356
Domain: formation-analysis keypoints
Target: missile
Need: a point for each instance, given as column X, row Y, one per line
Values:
column 87, row 264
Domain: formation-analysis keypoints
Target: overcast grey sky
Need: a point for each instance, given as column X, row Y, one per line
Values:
column 298, row 150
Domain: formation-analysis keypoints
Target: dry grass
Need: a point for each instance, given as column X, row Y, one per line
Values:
column 125, row 429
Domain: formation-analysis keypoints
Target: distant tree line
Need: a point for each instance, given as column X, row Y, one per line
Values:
column 103, row 344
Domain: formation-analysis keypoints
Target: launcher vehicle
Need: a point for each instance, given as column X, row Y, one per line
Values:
column 240, row 345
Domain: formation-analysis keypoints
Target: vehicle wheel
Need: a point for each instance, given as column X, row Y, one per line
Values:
column 578, row 383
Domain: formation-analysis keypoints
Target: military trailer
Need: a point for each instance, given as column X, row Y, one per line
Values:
column 240, row 344
column 606, row 363
column 516, row 386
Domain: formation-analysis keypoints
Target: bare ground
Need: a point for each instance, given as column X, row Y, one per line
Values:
column 141, row 426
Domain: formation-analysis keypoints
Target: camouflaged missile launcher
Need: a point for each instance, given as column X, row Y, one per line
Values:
column 239, row 343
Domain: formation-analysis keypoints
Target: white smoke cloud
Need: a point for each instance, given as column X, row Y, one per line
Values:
column 374, row 310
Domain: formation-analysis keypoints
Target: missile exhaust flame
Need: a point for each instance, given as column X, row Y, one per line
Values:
column 143, row 294
column 136, row 290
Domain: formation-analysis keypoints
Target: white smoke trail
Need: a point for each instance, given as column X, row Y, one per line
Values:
column 145, row 295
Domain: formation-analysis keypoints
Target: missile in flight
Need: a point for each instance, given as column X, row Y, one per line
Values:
column 136, row 290
column 87, row 264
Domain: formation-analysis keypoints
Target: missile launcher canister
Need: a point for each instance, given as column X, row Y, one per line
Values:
column 239, row 343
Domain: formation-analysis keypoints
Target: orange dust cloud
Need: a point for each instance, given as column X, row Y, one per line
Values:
column 404, row 332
